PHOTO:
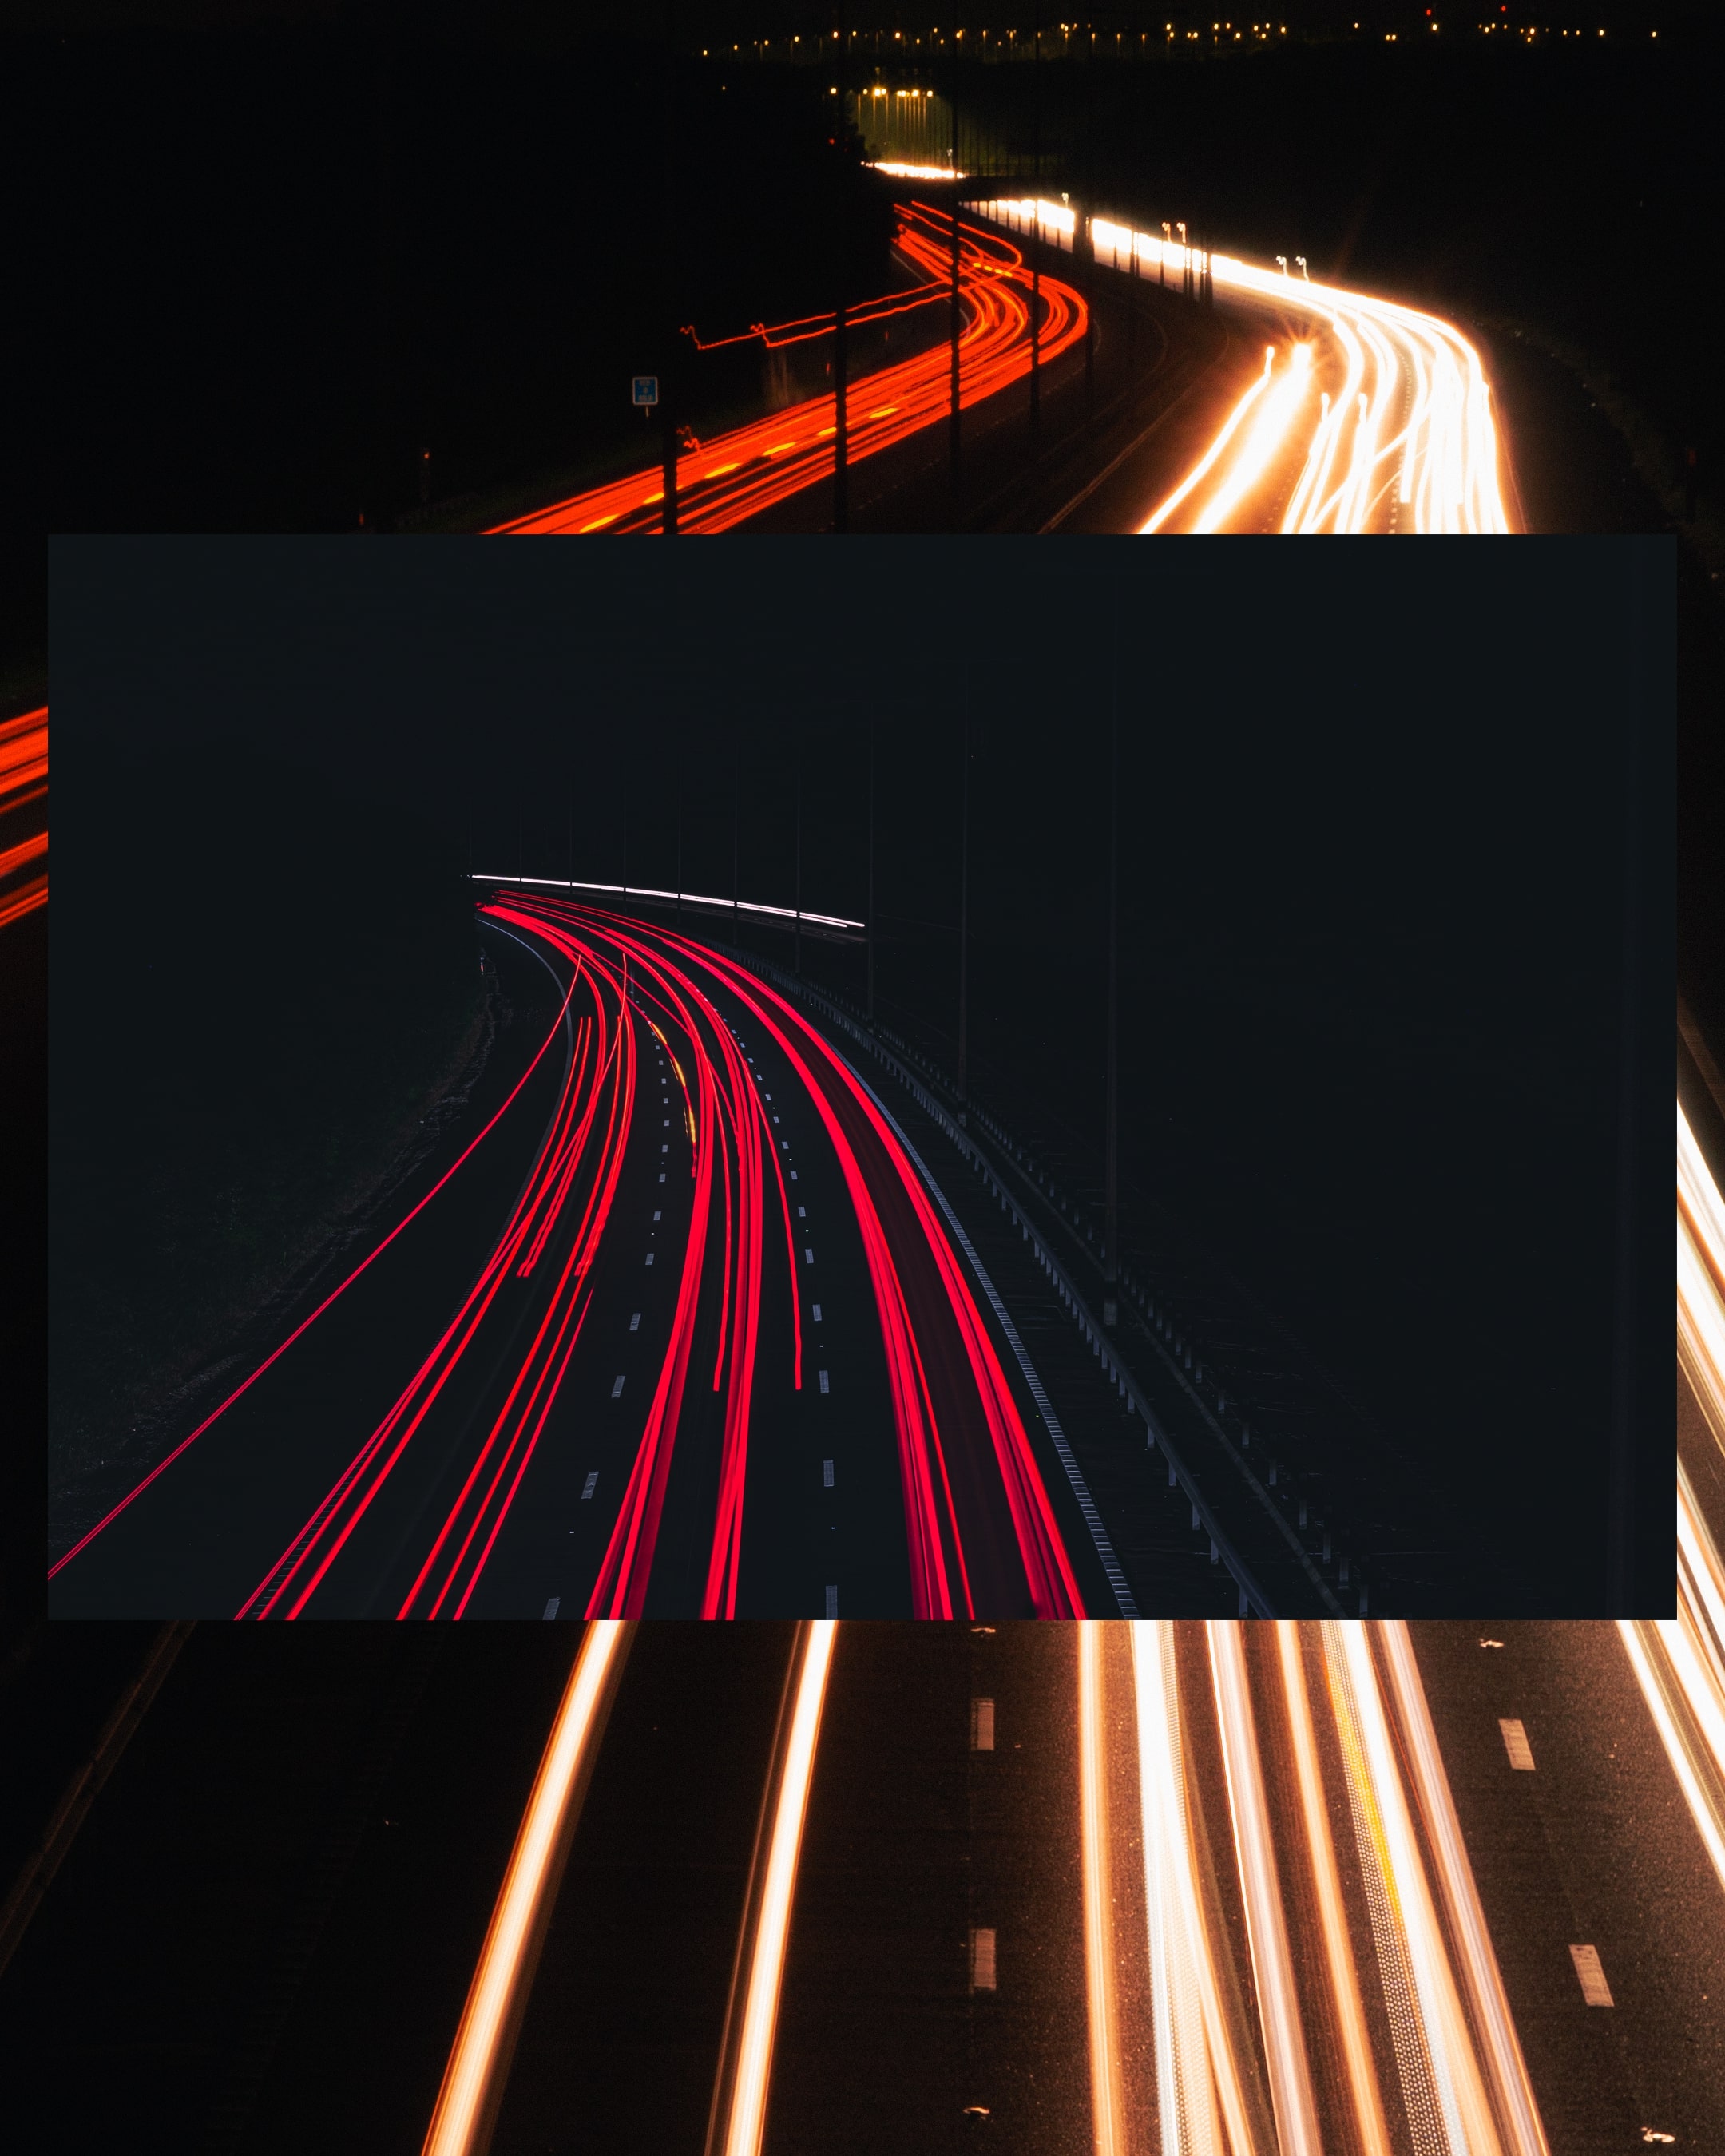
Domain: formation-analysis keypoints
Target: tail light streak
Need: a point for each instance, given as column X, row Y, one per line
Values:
column 739, row 475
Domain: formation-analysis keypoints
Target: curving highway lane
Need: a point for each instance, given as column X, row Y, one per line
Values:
column 669, row 1325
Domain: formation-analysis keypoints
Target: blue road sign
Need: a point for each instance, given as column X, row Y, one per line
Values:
column 646, row 389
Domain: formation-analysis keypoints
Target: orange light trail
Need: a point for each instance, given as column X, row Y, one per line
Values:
column 739, row 475
column 1679, row 1662
column 740, row 2100
column 23, row 781
column 479, row 2064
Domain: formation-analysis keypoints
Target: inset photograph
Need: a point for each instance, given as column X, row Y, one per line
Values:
column 925, row 1082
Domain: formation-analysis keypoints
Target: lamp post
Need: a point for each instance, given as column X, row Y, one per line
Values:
column 871, row 876
column 964, row 928
column 957, row 312
column 799, row 851
column 1111, row 1167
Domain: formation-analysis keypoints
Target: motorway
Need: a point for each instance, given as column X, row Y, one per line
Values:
column 665, row 1324
column 741, row 474
column 1345, row 412
column 1054, row 1888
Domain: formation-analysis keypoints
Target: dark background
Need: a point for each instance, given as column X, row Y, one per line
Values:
column 292, row 249
column 287, row 978
column 1373, row 906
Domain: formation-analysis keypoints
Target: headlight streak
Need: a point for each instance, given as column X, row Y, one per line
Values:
column 1679, row 1662
column 1463, row 2088
column 1444, row 453
column 1266, row 1927
column 1505, row 2070
column 1345, row 1997
column 478, row 2068
column 1108, row 2135
column 753, row 468
column 1198, row 2084
column 738, row 2117
column 1443, row 2093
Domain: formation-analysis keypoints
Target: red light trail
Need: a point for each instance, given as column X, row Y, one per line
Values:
column 23, row 783
column 518, row 1327
column 738, row 474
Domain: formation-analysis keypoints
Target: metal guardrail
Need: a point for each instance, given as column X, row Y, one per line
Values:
column 1252, row 1597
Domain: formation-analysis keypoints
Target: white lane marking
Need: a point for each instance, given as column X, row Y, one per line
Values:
column 1594, row 1989
column 982, row 1961
column 664, row 1148
column 816, row 1313
column 650, row 1257
column 807, row 1257
column 550, row 1606
column 617, row 1389
column 634, row 1323
column 667, row 1122
column 823, row 1381
column 588, row 1488
column 1515, row 1743
column 793, row 1174
column 982, row 1725
column 832, row 1602
column 656, row 1216
column 662, row 1175
column 826, row 1473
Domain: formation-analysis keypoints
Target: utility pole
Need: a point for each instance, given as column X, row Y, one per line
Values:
column 571, row 830
column 736, row 795
column 679, row 848
column 841, row 468
column 625, row 830
column 964, row 926
column 872, row 874
column 667, row 400
column 841, row 443
column 1111, row 1169
column 957, row 313
column 1036, row 235
column 799, row 850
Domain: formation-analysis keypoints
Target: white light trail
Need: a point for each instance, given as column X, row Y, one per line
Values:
column 1444, row 2097
column 1266, row 1927
column 689, row 898
column 1679, row 1662
column 1108, row 2132
column 1397, row 425
column 1347, row 2003
column 1198, row 2084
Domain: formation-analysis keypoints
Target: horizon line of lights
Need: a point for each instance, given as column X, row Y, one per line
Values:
column 688, row 897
